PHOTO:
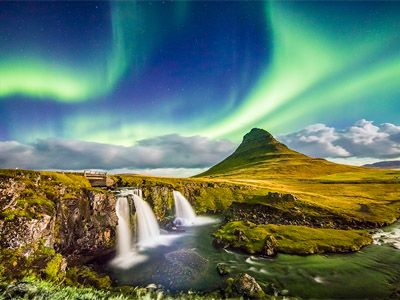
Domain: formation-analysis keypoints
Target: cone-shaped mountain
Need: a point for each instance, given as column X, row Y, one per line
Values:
column 260, row 154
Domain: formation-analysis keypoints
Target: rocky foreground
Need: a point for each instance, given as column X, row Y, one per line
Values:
column 51, row 224
column 242, row 286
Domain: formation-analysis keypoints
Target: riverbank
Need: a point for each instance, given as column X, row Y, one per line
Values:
column 272, row 239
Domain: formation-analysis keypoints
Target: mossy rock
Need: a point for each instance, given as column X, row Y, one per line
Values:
column 223, row 269
column 243, row 285
column 84, row 276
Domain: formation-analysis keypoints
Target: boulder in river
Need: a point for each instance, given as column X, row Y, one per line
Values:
column 270, row 246
column 242, row 285
column 223, row 269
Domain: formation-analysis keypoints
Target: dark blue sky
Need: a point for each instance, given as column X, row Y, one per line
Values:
column 119, row 72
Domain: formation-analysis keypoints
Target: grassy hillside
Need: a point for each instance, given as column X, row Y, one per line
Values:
column 264, row 164
column 260, row 156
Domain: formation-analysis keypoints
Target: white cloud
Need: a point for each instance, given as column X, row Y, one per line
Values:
column 315, row 140
column 363, row 140
column 165, row 172
column 163, row 155
column 174, row 155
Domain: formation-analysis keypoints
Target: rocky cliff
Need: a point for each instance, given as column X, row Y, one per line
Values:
column 59, row 211
column 203, row 194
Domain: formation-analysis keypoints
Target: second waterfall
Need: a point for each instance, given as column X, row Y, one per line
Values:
column 147, row 229
column 185, row 215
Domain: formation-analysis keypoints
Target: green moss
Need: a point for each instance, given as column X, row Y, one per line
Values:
column 69, row 195
column 36, row 201
column 290, row 239
column 84, row 276
column 42, row 191
column 11, row 214
column 53, row 267
column 42, row 263
column 29, row 205
column 10, row 260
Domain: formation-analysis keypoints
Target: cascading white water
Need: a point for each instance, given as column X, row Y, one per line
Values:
column 184, row 211
column 123, row 229
column 138, row 192
column 147, row 229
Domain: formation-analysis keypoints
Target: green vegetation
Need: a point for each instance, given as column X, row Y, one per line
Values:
column 43, row 263
column 290, row 239
column 32, row 288
column 38, row 191
column 217, row 199
column 83, row 276
column 31, row 178
column 52, row 270
column 371, row 199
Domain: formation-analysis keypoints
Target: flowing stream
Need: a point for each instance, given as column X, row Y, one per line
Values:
column 189, row 262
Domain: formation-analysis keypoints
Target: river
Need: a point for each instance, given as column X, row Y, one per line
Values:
column 370, row 272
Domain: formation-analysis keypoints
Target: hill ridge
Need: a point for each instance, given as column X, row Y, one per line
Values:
column 261, row 153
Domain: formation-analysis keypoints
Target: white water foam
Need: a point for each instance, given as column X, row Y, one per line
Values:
column 387, row 237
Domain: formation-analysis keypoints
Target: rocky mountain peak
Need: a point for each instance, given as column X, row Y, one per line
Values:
column 257, row 135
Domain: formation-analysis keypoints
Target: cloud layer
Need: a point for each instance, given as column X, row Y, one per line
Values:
column 174, row 155
column 364, row 139
column 169, row 151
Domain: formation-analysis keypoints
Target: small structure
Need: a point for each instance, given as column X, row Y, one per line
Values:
column 98, row 179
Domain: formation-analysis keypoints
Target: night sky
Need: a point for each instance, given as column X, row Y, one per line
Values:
column 128, row 85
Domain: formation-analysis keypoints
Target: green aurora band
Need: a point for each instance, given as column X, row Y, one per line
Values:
column 40, row 78
column 310, row 71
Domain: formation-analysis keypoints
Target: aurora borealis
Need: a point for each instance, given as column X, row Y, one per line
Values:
column 121, row 73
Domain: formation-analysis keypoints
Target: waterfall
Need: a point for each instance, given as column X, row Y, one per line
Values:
column 184, row 211
column 127, row 192
column 147, row 227
column 123, row 229
column 138, row 192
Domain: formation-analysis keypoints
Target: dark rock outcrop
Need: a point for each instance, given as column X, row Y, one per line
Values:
column 86, row 225
column 23, row 233
column 243, row 285
column 282, row 197
column 293, row 215
column 247, row 286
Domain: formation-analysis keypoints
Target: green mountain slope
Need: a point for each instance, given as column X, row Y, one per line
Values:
column 260, row 155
